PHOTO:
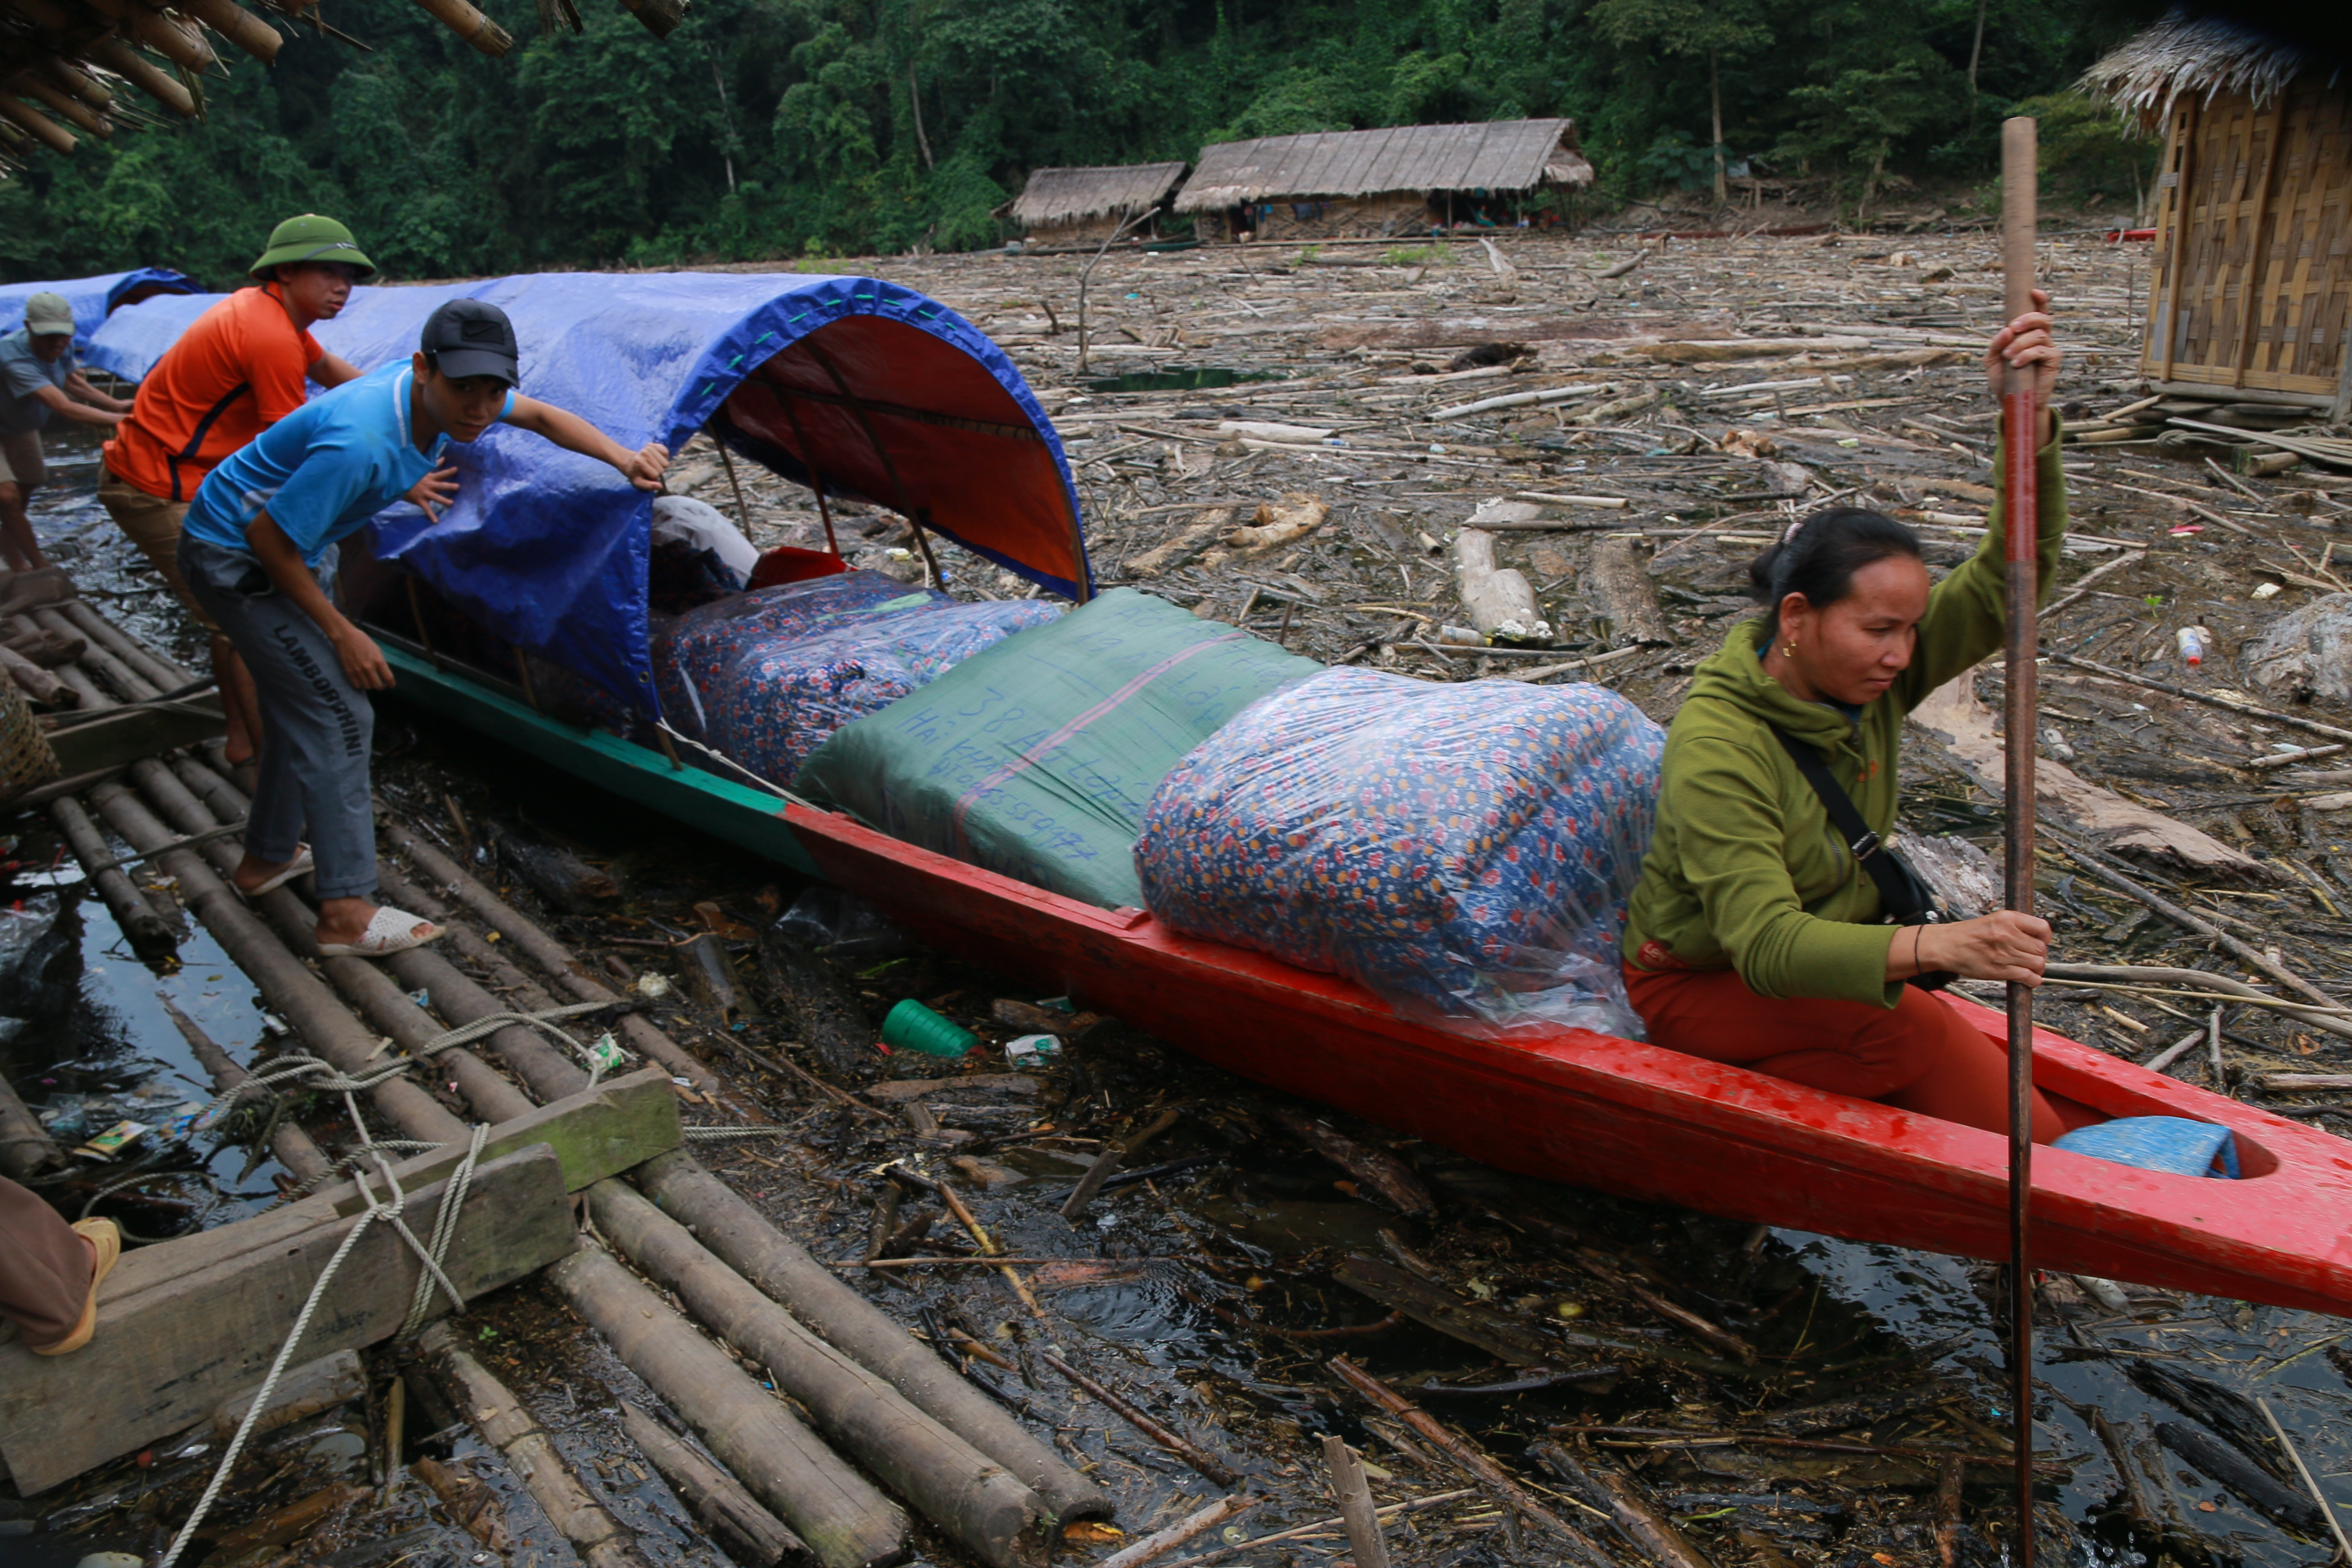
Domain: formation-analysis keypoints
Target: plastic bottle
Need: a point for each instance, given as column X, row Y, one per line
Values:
column 2192, row 641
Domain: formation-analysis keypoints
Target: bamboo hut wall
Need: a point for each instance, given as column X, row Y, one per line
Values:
column 2252, row 286
column 1400, row 215
column 1091, row 231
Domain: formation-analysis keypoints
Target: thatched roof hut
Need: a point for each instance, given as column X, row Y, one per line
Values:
column 2195, row 55
column 1067, row 198
column 2250, row 294
column 1383, row 182
column 1511, row 155
column 66, row 65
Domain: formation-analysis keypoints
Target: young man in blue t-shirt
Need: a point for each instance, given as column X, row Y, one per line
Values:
column 258, row 552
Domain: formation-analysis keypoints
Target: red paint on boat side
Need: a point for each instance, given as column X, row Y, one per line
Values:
column 1625, row 1117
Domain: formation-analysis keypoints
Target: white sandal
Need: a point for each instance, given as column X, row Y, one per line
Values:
column 302, row 865
column 389, row 931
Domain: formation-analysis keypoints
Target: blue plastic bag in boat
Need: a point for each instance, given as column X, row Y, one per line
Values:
column 690, row 654
column 778, row 698
column 1036, row 758
column 1465, row 851
column 2172, row 1144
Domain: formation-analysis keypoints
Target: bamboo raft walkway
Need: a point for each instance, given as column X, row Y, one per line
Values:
column 189, row 1326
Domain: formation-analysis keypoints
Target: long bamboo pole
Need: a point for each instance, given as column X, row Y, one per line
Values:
column 2020, row 434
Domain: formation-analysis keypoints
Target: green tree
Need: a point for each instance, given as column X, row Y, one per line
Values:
column 1861, row 113
column 761, row 128
column 1709, row 27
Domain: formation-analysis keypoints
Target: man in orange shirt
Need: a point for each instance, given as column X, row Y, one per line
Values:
column 237, row 370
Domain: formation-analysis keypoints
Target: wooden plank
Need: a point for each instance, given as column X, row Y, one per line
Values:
column 1498, row 1333
column 118, row 736
column 2253, row 277
column 2173, row 238
column 598, row 1133
column 170, row 1355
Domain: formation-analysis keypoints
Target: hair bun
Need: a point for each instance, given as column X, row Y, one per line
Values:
column 1759, row 573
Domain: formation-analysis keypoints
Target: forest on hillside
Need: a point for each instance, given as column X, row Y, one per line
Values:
column 765, row 128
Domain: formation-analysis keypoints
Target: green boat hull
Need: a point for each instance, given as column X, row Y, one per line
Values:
column 735, row 813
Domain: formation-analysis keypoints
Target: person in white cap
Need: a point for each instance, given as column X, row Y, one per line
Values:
column 40, row 376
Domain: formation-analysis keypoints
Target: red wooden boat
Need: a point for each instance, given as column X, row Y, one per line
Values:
column 906, row 402
column 1566, row 1104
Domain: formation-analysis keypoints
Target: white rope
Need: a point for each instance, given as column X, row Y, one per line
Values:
column 444, row 1226
column 444, row 1229
column 269, row 1386
column 730, row 764
column 324, row 1076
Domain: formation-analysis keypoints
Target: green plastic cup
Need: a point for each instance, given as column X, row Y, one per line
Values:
column 911, row 1026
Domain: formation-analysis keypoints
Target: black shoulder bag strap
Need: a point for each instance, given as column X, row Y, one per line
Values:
column 1906, row 898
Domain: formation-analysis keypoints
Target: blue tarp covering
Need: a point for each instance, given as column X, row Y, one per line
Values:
column 93, row 299
column 135, row 337
column 548, row 548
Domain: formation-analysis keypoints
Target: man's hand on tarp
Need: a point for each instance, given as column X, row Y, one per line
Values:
column 645, row 470
column 435, row 490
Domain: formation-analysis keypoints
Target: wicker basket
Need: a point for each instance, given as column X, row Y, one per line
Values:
column 25, row 760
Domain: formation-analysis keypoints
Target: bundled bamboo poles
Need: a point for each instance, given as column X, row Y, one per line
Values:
column 63, row 63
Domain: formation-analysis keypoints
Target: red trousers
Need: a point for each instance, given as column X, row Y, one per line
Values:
column 1919, row 1055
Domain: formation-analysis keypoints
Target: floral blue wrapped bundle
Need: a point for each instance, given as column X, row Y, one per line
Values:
column 779, row 698
column 691, row 653
column 1465, row 851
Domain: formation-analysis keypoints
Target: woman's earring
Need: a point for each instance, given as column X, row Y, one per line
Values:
column 1790, row 650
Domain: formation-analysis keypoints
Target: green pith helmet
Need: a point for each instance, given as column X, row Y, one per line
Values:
column 311, row 237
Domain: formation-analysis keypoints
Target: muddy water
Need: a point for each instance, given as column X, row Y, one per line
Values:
column 88, row 1043
column 1185, row 1293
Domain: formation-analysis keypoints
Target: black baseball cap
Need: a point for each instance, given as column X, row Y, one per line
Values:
column 473, row 337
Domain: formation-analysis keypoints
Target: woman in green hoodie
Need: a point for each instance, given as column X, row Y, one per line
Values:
column 1756, row 937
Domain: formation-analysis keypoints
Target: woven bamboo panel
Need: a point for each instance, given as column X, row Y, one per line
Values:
column 25, row 760
column 2252, row 270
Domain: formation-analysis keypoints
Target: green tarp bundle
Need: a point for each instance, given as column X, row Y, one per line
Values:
column 1037, row 757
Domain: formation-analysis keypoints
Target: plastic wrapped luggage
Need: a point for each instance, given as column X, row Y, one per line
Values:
column 1036, row 758
column 779, row 698
column 697, row 557
column 1465, row 851
column 690, row 653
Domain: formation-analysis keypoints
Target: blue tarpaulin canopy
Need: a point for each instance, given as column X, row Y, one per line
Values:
column 871, row 389
column 93, row 299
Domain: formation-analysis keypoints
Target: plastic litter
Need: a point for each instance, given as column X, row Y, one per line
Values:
column 2171, row 1143
column 842, row 925
column 114, row 1140
column 1032, row 1047
column 911, row 1026
column 2191, row 641
column 1463, row 851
